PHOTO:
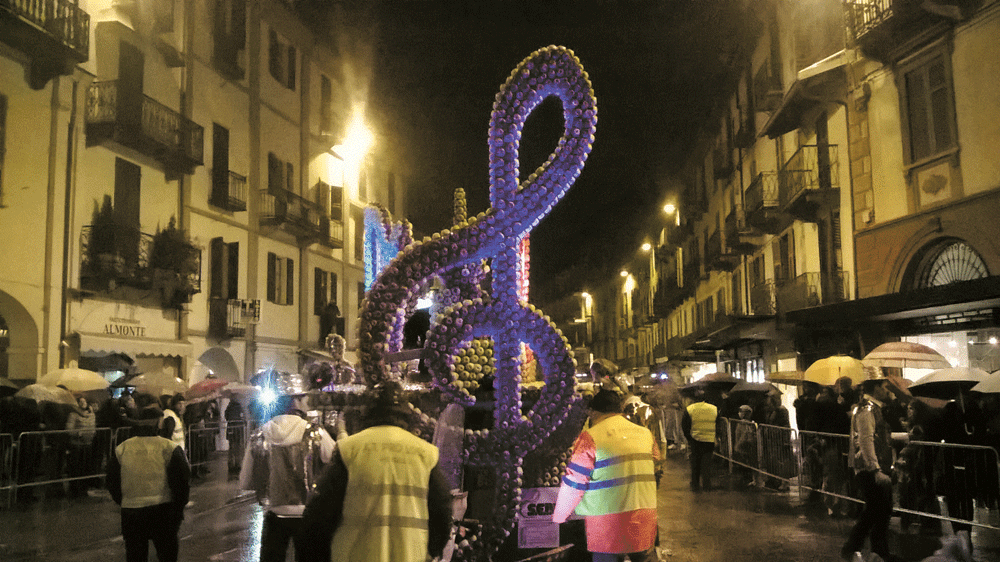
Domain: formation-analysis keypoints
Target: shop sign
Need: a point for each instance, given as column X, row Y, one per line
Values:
column 124, row 327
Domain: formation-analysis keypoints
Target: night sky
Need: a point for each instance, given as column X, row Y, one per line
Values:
column 655, row 67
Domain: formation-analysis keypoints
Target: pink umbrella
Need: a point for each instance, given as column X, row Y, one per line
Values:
column 904, row 354
column 205, row 387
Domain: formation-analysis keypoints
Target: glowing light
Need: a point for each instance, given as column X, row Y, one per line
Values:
column 267, row 396
column 358, row 141
column 646, row 246
column 629, row 283
column 623, row 273
column 993, row 340
column 952, row 343
column 425, row 302
column 669, row 208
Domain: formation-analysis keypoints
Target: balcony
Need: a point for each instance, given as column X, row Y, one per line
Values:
column 813, row 289
column 229, row 191
column 722, row 159
column 692, row 275
column 717, row 256
column 55, row 34
column 763, row 299
column 740, row 236
column 300, row 217
column 809, row 181
column 761, row 199
column 881, row 27
column 228, row 318
column 137, row 122
column 115, row 256
column 668, row 296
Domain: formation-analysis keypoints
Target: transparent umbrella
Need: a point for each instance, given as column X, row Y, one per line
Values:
column 903, row 354
column 158, row 384
column 42, row 393
column 74, row 379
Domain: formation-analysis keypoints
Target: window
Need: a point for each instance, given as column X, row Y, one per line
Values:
column 281, row 61
column 357, row 217
column 927, row 101
column 325, row 290
column 280, row 279
column 225, row 269
column 325, row 105
column 784, row 257
column 3, row 141
column 280, row 175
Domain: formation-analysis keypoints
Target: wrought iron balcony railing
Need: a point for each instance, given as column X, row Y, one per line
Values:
column 229, row 318
column 114, row 255
column 879, row 26
column 808, row 179
column 138, row 122
column 55, row 34
column 763, row 192
column 763, row 299
column 229, row 191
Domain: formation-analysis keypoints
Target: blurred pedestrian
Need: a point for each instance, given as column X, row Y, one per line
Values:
column 383, row 498
column 236, row 433
column 698, row 425
column 150, row 479
column 871, row 458
column 745, row 444
column 282, row 466
column 82, row 456
column 610, row 481
column 171, row 425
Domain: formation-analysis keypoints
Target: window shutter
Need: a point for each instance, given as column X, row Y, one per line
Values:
column 239, row 24
column 274, row 56
column 233, row 270
column 217, row 248
column 272, row 265
column 290, row 287
column 319, row 290
column 290, row 177
column 291, row 67
column 333, row 287
column 275, row 176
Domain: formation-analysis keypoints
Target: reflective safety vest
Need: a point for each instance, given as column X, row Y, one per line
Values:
column 178, row 435
column 703, row 416
column 622, row 479
column 385, row 507
column 144, row 470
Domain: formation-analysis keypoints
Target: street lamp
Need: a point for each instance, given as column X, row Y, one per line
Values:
column 669, row 208
column 646, row 246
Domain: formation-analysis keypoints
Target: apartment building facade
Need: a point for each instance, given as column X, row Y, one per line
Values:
column 840, row 198
column 175, row 187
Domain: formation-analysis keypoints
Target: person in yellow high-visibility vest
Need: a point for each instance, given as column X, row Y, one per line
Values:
column 698, row 425
column 610, row 481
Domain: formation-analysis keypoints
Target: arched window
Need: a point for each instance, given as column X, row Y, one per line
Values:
column 950, row 262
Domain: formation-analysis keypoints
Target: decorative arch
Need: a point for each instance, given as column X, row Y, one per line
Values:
column 24, row 349
column 944, row 261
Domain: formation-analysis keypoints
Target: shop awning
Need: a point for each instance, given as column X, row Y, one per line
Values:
column 957, row 298
column 134, row 347
column 822, row 82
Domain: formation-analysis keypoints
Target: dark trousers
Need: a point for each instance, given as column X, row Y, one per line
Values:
column 645, row 556
column 158, row 523
column 873, row 523
column 701, row 464
column 275, row 535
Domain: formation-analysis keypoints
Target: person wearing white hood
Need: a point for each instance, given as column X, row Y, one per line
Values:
column 282, row 465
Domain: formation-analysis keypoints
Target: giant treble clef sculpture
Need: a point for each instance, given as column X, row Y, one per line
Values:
column 515, row 209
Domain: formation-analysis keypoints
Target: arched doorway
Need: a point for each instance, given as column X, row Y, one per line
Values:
column 21, row 351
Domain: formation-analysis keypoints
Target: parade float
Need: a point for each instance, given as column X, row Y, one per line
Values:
column 488, row 354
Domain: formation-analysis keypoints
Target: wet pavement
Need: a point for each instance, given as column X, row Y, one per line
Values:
column 732, row 522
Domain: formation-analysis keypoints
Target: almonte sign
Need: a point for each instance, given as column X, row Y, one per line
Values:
column 124, row 327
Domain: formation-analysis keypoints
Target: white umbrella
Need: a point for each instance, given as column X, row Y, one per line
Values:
column 74, row 379
column 947, row 384
column 991, row 385
column 158, row 384
column 903, row 354
column 43, row 393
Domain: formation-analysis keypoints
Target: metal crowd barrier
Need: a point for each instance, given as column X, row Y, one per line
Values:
column 937, row 481
column 74, row 457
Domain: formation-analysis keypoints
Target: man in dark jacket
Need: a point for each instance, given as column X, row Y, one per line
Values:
column 383, row 498
column 149, row 477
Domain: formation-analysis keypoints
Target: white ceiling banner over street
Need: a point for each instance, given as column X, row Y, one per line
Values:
column 135, row 347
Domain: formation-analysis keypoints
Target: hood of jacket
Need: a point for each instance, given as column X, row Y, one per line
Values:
column 284, row 430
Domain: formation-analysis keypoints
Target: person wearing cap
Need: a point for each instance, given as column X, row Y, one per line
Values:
column 383, row 498
column 610, row 481
column 281, row 466
column 149, row 477
column 870, row 455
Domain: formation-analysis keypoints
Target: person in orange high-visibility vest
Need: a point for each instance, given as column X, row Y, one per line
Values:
column 610, row 481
